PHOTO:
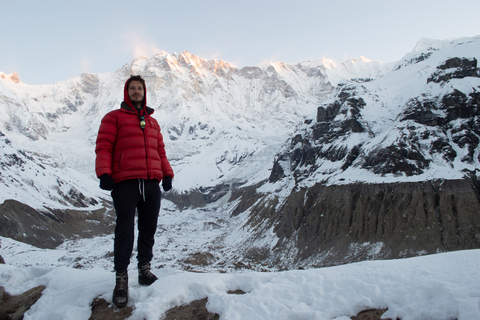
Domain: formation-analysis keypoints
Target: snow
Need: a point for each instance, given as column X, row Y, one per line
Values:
column 387, row 97
column 224, row 130
column 221, row 125
column 337, row 71
column 439, row 286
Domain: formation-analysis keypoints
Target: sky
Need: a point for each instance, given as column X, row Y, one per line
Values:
column 49, row 41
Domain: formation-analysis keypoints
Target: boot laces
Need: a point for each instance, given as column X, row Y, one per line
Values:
column 121, row 281
column 145, row 270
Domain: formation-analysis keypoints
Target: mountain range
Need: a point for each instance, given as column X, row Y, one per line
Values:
column 288, row 166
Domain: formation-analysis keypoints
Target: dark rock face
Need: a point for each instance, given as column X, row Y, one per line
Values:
column 49, row 228
column 197, row 198
column 416, row 59
column 408, row 218
column 331, row 225
column 400, row 157
column 371, row 314
column 455, row 68
column 460, row 116
column 317, row 140
column 102, row 310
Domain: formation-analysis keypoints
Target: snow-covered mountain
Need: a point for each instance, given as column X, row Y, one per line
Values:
column 283, row 167
column 254, row 148
column 417, row 123
column 389, row 167
column 221, row 124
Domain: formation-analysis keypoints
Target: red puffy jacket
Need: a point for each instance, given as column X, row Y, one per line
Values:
column 126, row 151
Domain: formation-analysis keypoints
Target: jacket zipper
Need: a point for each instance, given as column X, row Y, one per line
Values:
column 146, row 149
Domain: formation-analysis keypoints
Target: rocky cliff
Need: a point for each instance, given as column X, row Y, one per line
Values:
column 388, row 169
column 339, row 224
column 48, row 228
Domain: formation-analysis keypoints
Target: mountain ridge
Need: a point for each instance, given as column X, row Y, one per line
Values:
column 201, row 100
column 256, row 149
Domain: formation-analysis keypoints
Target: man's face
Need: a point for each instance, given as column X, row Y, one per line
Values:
column 136, row 92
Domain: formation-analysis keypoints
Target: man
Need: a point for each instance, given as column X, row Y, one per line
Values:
column 131, row 161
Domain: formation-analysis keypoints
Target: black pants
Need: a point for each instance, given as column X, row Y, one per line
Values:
column 128, row 195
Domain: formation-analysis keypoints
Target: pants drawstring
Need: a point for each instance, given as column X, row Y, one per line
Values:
column 141, row 188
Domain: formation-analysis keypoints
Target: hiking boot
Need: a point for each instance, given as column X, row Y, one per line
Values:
column 145, row 276
column 120, row 293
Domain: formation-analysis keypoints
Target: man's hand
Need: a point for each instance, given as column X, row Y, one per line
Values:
column 106, row 182
column 167, row 183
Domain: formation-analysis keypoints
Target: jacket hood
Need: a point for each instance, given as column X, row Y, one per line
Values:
column 126, row 98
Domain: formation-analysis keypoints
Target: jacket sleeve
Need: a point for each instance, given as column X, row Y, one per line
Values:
column 166, row 168
column 107, row 134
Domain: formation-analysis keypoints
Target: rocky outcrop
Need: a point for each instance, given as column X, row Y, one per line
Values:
column 331, row 225
column 371, row 314
column 13, row 307
column 195, row 310
column 102, row 310
column 455, row 68
column 49, row 228
column 197, row 198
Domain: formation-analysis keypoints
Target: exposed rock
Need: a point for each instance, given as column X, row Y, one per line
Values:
column 277, row 172
column 331, row 225
column 195, row 310
column 373, row 314
column 197, row 198
column 455, row 68
column 102, row 310
column 49, row 228
column 399, row 158
column 328, row 112
column 416, row 59
column 238, row 291
column 248, row 196
column 200, row 259
column 13, row 307
column 90, row 84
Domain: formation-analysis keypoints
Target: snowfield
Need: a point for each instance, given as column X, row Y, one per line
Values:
column 440, row 286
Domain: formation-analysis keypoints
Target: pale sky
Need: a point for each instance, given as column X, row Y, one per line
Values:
column 46, row 41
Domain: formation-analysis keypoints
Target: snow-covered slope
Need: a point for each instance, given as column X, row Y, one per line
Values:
column 416, row 123
column 221, row 124
column 40, row 182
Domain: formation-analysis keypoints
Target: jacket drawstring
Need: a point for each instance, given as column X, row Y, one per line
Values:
column 141, row 188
